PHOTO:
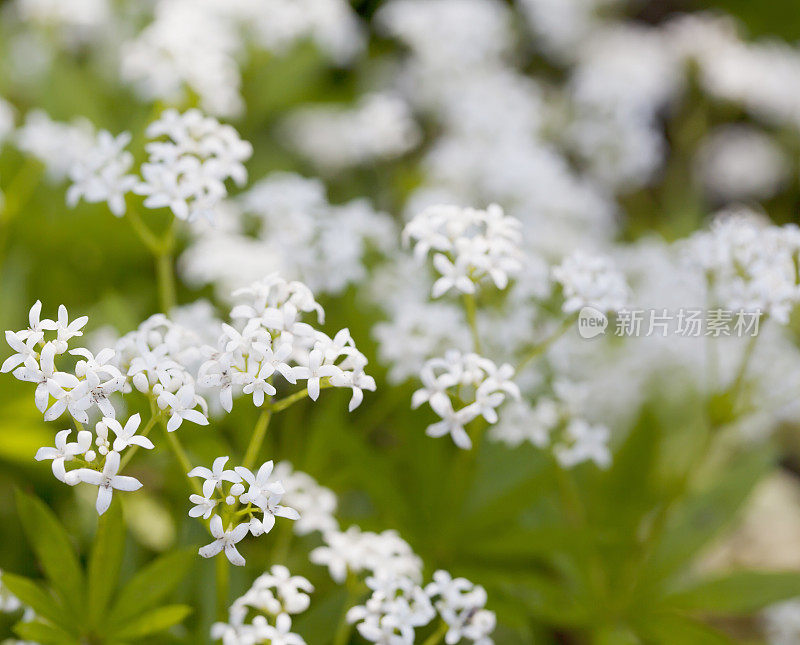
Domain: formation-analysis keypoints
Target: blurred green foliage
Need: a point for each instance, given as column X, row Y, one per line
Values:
column 595, row 558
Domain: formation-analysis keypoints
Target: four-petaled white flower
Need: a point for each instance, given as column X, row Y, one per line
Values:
column 203, row 506
column 315, row 370
column 64, row 451
column 106, row 481
column 225, row 541
column 215, row 476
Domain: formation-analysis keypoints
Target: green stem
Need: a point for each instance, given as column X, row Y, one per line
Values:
column 148, row 238
column 21, row 188
column 223, row 580
column 578, row 518
column 282, row 404
column 166, row 281
column 540, row 348
column 183, row 460
column 257, row 440
column 736, row 386
column 342, row 635
column 437, row 636
column 471, row 310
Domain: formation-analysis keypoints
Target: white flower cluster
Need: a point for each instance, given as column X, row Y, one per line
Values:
column 782, row 623
column 398, row 606
column 88, row 388
column 461, row 605
column 556, row 421
column 160, row 359
column 73, row 21
column 315, row 504
column 225, row 495
column 468, row 245
column 270, row 602
column 739, row 162
column 190, row 158
column 591, row 281
column 751, row 264
column 271, row 335
column 476, row 382
column 100, row 174
column 59, row 146
column 285, row 223
column 491, row 144
column 198, row 46
column 357, row 552
column 380, row 126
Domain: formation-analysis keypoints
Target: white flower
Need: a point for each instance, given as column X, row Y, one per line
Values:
column 470, row 245
column 65, row 330
column 106, row 481
column 260, row 485
column 452, row 422
column 358, row 381
column 591, row 281
column 215, row 476
column 35, row 332
column 186, row 173
column 76, row 401
column 42, row 373
column 461, row 606
column 100, row 174
column 203, row 506
column 313, row 371
column 455, row 275
column 181, row 407
column 291, row 590
column 584, row 442
column 280, row 633
column 64, row 451
column 225, row 540
column 23, row 349
column 126, row 436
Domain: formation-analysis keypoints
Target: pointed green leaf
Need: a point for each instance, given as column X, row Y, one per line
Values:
column 743, row 592
column 702, row 517
column 151, row 585
column 664, row 629
column 37, row 631
column 53, row 549
column 105, row 560
column 153, row 621
column 37, row 598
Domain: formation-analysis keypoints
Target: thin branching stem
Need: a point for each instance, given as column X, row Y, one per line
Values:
column 471, row 310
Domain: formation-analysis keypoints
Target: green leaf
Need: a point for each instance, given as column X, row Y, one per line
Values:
column 743, row 592
column 151, row 622
column 52, row 546
column 664, row 629
column 105, row 560
column 151, row 585
column 37, row 631
column 703, row 516
column 37, row 598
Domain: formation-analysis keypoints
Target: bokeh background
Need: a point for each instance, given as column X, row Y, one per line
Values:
column 386, row 472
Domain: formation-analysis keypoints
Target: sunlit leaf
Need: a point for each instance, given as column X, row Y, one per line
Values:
column 53, row 549
column 105, row 560
column 153, row 621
